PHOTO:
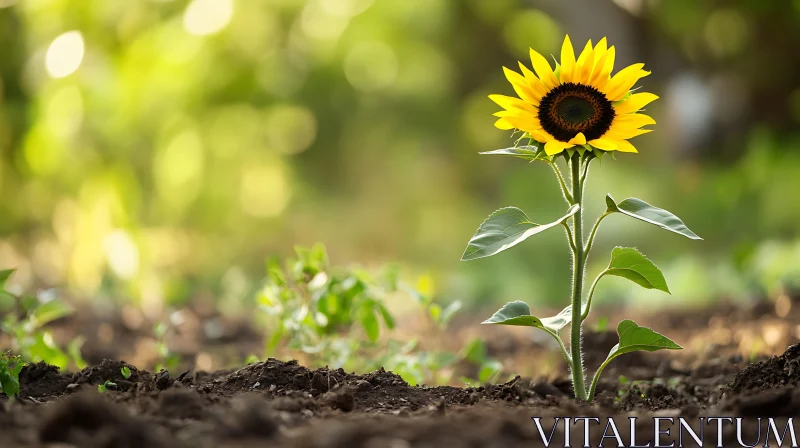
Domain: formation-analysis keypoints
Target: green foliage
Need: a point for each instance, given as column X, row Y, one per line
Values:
column 504, row 229
column 629, row 263
column 167, row 359
column 523, row 152
column 10, row 367
column 637, row 208
column 125, row 371
column 5, row 274
column 509, row 226
column 338, row 316
column 25, row 326
column 601, row 324
column 634, row 338
column 308, row 302
column 107, row 384
column 489, row 370
column 518, row 313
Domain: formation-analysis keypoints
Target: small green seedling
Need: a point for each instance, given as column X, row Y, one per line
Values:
column 25, row 321
column 167, row 359
column 10, row 367
column 108, row 384
column 337, row 316
column 577, row 112
column 601, row 325
column 126, row 372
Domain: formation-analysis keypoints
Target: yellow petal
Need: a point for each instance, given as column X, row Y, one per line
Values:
column 567, row 61
column 598, row 78
column 632, row 120
column 511, row 103
column 609, row 66
column 625, row 146
column 541, row 136
column 525, row 123
column 554, row 147
column 602, row 70
column 624, row 133
column 600, row 49
column 536, row 85
column 619, row 85
column 543, row 70
column 635, row 102
column 599, row 60
column 604, row 144
column 503, row 124
column 579, row 139
column 520, row 85
column 584, row 65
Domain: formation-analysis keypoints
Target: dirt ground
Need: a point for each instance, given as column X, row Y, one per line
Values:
column 277, row 403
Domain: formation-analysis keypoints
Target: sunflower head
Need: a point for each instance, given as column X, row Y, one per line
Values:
column 579, row 105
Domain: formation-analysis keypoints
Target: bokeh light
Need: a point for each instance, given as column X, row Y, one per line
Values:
column 207, row 16
column 64, row 55
column 149, row 150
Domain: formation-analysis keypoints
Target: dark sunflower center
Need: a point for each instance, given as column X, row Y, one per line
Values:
column 571, row 108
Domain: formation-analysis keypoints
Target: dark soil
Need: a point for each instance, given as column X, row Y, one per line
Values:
column 286, row 404
column 276, row 403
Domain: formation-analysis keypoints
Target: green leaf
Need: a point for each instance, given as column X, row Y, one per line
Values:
column 371, row 326
column 629, row 263
column 506, row 228
column 388, row 319
column 523, row 152
column 9, row 384
column 10, row 367
column 49, row 311
column 4, row 276
column 519, row 314
column 637, row 208
column 74, row 352
column 489, row 371
column 449, row 311
column 635, row 338
column 474, row 351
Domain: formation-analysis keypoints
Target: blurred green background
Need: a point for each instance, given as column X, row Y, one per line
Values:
column 161, row 150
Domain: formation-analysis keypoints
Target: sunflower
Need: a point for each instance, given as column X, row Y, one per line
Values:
column 577, row 104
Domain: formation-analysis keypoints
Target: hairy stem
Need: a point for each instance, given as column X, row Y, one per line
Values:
column 596, row 377
column 594, row 232
column 578, row 260
column 564, row 350
column 569, row 236
column 567, row 196
column 585, row 312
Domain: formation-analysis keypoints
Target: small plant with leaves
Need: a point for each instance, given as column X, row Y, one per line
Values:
column 324, row 311
column 25, row 321
column 167, row 360
column 107, row 384
column 577, row 113
column 308, row 303
column 10, row 367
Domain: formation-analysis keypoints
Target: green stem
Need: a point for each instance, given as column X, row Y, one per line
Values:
column 594, row 231
column 569, row 236
column 585, row 171
column 578, row 260
column 561, row 182
column 585, row 312
column 563, row 350
column 596, row 377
